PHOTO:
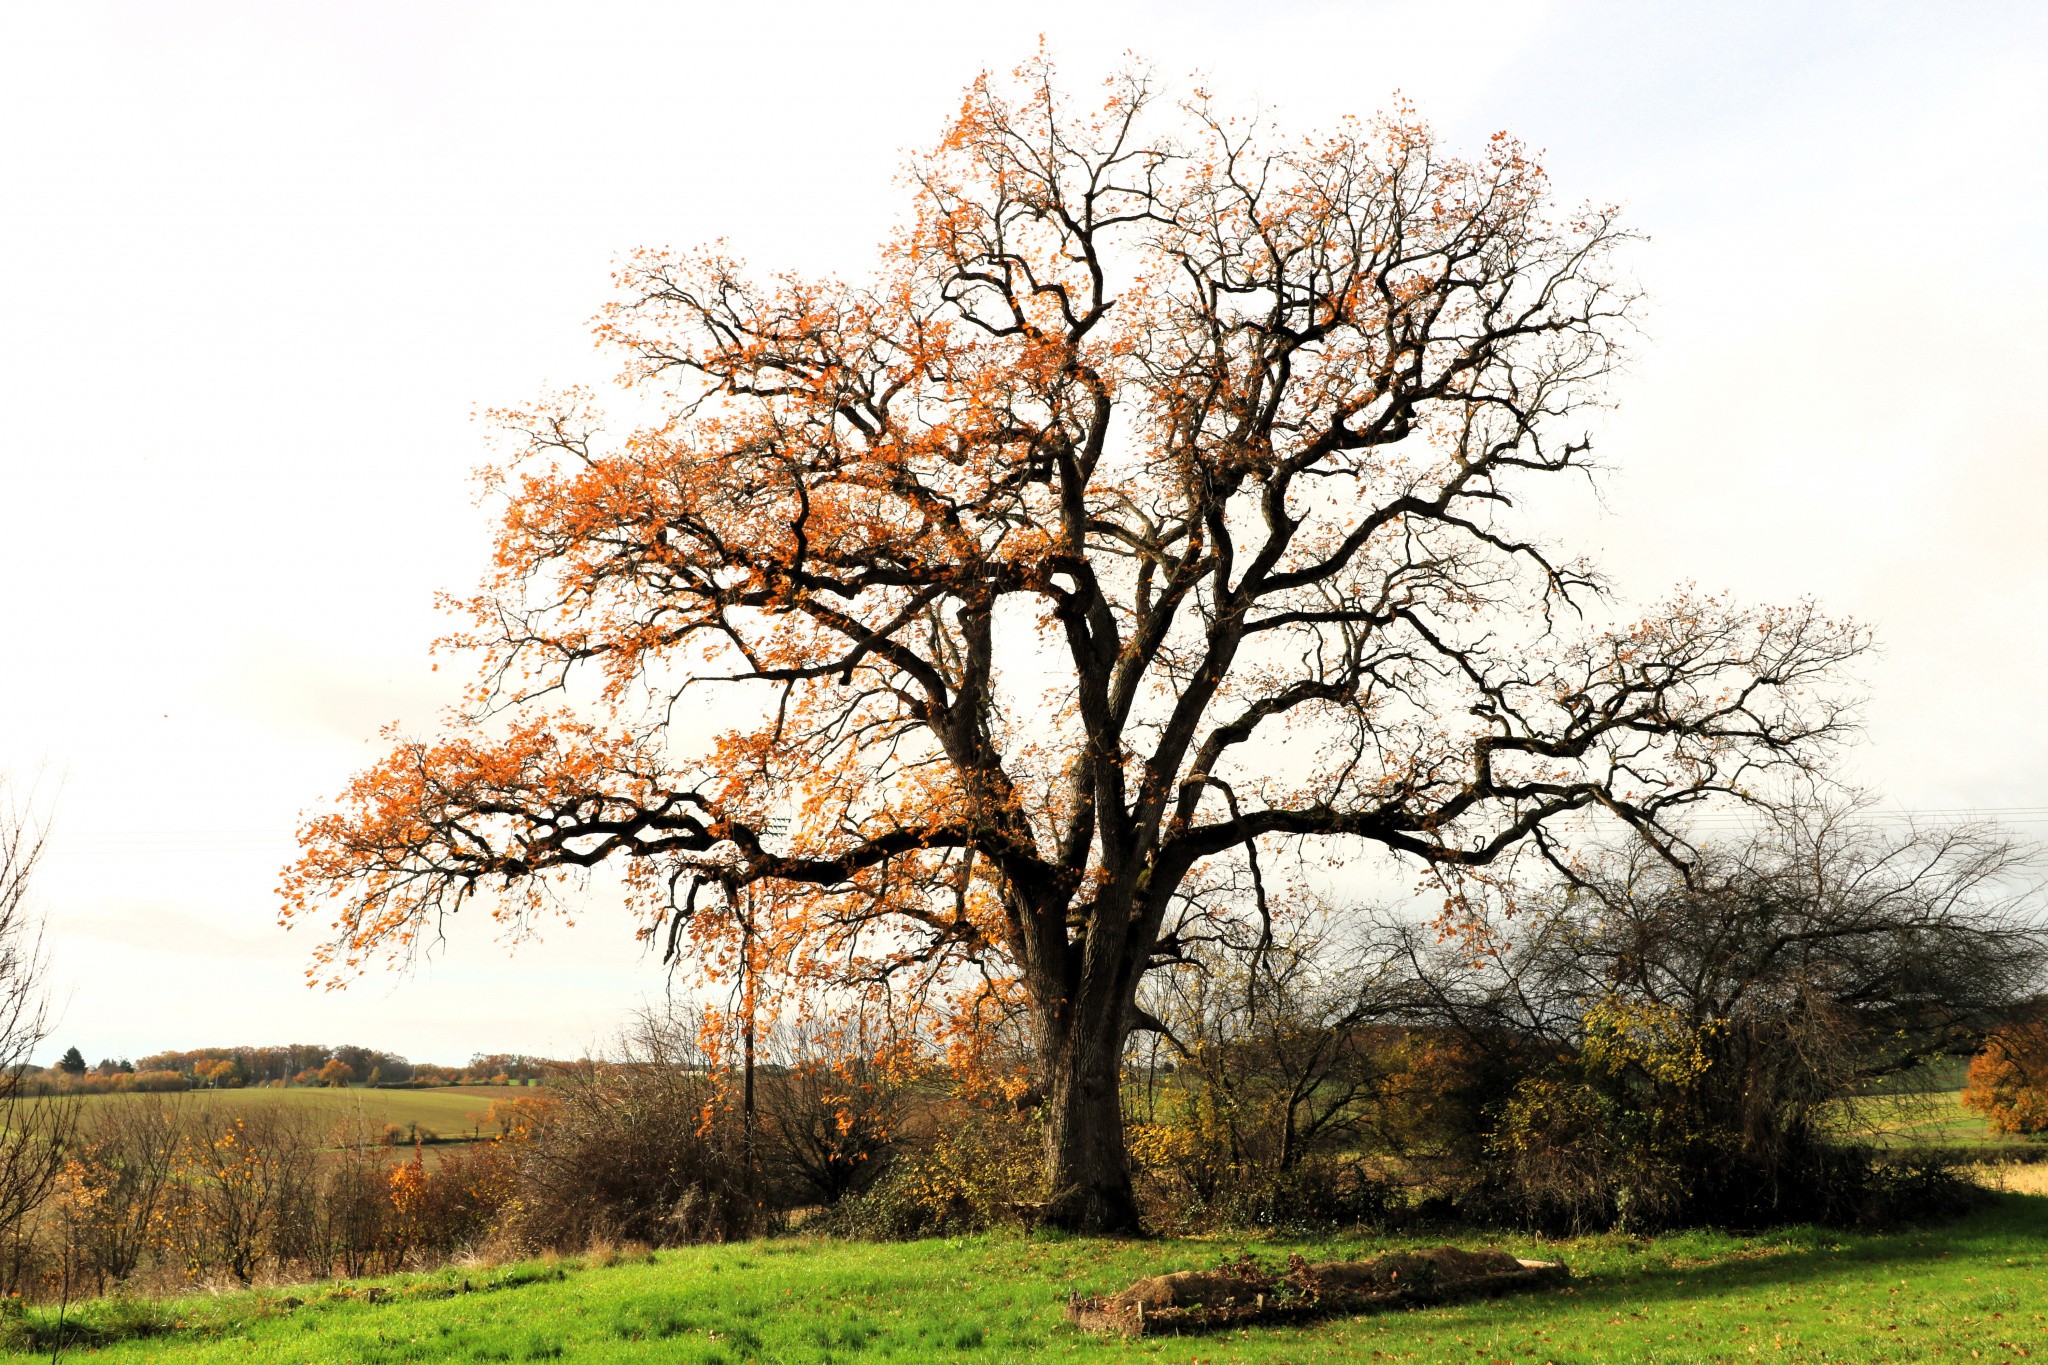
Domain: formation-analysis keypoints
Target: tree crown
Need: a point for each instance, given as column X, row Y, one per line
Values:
column 1153, row 500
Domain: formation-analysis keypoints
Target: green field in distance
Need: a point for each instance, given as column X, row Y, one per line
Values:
column 455, row 1111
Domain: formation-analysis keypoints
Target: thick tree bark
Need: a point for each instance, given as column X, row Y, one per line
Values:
column 1088, row 1170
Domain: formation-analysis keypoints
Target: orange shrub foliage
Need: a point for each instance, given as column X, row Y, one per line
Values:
column 2008, row 1080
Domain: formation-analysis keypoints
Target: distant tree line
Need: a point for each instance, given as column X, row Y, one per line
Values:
column 309, row 1064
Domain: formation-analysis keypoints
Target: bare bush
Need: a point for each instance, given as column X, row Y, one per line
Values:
column 646, row 1148
column 243, row 1201
column 1678, row 1034
column 113, row 1188
column 33, row 1129
column 355, row 1214
column 1283, row 1072
column 156, row 1194
column 830, row 1114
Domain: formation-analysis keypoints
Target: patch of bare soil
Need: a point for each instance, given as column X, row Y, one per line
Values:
column 1241, row 1293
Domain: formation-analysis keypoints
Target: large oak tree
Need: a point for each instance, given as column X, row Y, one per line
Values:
column 1152, row 501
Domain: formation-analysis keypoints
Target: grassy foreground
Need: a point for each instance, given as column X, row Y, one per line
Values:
column 1972, row 1290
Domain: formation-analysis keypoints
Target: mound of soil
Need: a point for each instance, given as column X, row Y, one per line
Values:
column 1240, row 1293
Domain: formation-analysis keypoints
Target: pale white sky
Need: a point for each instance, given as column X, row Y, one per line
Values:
column 260, row 263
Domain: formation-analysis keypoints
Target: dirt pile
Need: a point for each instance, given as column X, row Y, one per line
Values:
column 1241, row 1293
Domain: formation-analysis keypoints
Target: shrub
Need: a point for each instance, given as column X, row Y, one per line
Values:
column 978, row 1166
column 435, row 1213
column 355, row 1215
column 1683, row 1032
column 1856, row 1186
column 1921, row 1187
column 242, row 1201
column 1566, row 1158
column 1280, row 1077
column 156, row 1082
column 828, row 1125
column 644, row 1149
column 112, row 1191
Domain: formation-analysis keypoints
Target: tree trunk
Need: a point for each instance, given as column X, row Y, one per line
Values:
column 1089, row 1172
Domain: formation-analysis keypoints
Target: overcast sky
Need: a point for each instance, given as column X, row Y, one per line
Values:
column 259, row 265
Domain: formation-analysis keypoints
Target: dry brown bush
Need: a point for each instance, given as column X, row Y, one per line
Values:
column 646, row 1148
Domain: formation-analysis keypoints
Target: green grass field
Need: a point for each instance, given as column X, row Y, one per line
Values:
column 1935, row 1118
column 1972, row 1290
column 452, row 1113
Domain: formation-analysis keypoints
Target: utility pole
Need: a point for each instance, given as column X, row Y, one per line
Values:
column 747, row 1038
column 778, row 828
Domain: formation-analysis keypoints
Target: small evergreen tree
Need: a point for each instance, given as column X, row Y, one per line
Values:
column 72, row 1062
